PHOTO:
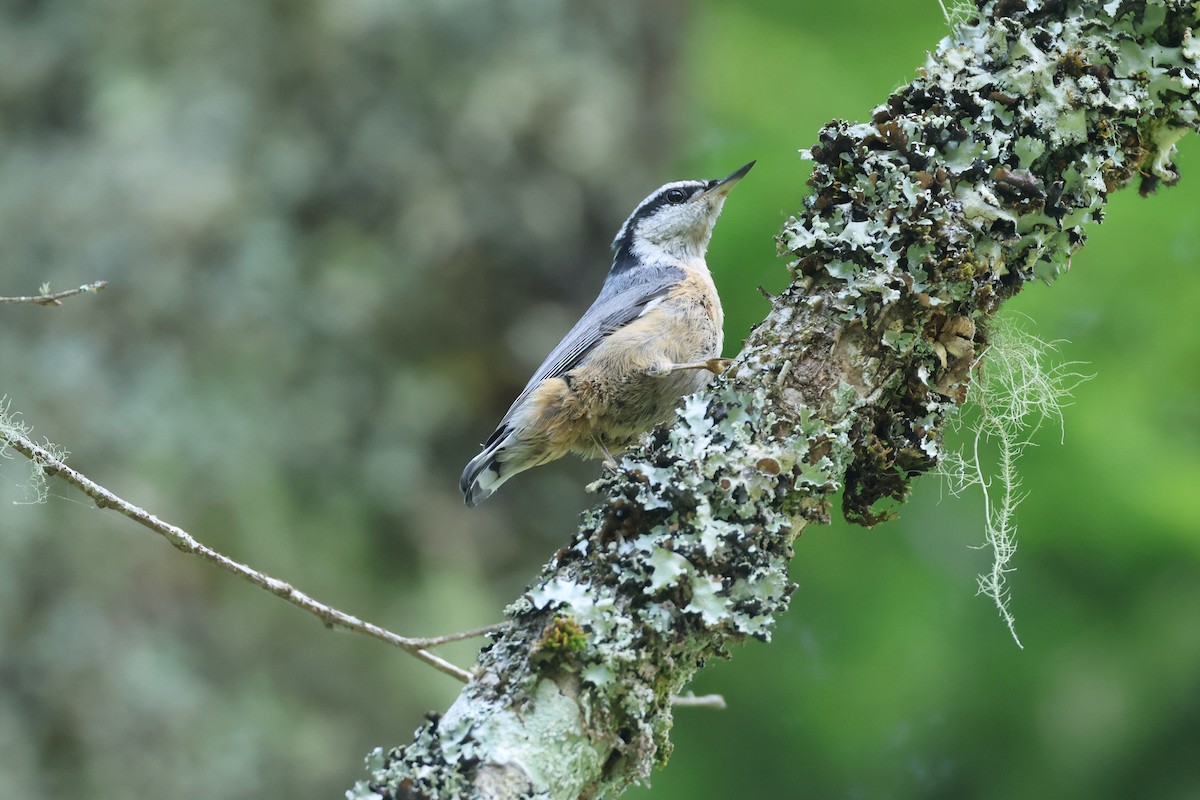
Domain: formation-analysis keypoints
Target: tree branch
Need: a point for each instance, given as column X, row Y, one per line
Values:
column 45, row 299
column 50, row 464
column 969, row 182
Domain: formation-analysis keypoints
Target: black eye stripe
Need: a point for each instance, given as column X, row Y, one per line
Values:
column 623, row 242
column 651, row 205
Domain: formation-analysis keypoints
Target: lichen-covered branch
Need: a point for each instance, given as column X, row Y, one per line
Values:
column 972, row 180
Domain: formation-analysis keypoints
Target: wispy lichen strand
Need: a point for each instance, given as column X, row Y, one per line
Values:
column 974, row 179
column 36, row 487
column 1023, row 386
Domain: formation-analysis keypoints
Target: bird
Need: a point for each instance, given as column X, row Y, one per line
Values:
column 653, row 335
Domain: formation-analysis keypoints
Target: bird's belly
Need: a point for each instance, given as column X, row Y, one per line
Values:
column 619, row 391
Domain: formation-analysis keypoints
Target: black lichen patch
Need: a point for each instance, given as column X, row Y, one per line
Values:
column 886, row 459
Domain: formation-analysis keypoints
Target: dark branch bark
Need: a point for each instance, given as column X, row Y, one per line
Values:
column 974, row 179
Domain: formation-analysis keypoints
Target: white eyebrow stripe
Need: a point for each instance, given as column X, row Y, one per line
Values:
column 653, row 196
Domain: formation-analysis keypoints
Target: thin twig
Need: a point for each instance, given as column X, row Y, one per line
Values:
column 435, row 641
column 56, row 298
column 698, row 701
column 182, row 540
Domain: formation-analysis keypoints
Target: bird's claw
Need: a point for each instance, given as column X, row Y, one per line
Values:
column 714, row 365
column 717, row 365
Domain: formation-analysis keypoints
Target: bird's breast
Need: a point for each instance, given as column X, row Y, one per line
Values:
column 682, row 327
column 625, row 384
column 696, row 319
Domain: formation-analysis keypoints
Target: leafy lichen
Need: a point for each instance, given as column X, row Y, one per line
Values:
column 975, row 179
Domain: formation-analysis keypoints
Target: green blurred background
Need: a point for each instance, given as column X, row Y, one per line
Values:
column 340, row 235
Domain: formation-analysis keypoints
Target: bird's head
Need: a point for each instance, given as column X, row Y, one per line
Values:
column 674, row 223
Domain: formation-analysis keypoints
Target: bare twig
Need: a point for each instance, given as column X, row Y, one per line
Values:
column 436, row 641
column 45, row 299
column 182, row 540
column 698, row 701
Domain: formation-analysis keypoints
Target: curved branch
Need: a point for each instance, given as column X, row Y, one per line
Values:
column 51, row 464
column 966, row 184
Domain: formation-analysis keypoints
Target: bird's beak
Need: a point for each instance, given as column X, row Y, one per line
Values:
column 722, row 187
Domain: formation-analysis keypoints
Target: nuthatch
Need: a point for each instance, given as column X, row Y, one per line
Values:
column 653, row 335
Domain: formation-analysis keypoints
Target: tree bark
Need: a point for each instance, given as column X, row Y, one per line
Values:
column 972, row 180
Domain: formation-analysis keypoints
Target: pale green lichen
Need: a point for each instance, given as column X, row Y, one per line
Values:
column 976, row 178
column 36, row 486
column 627, row 587
column 1021, row 387
column 971, row 181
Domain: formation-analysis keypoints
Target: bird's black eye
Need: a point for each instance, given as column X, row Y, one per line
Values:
column 676, row 196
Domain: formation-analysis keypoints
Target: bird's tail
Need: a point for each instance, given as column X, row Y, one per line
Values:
column 486, row 472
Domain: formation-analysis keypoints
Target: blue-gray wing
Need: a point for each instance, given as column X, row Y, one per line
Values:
column 623, row 298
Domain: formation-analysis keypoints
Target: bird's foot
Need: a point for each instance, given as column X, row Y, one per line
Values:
column 660, row 369
column 717, row 365
column 610, row 462
column 714, row 365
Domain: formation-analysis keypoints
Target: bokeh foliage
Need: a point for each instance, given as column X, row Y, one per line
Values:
column 340, row 235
